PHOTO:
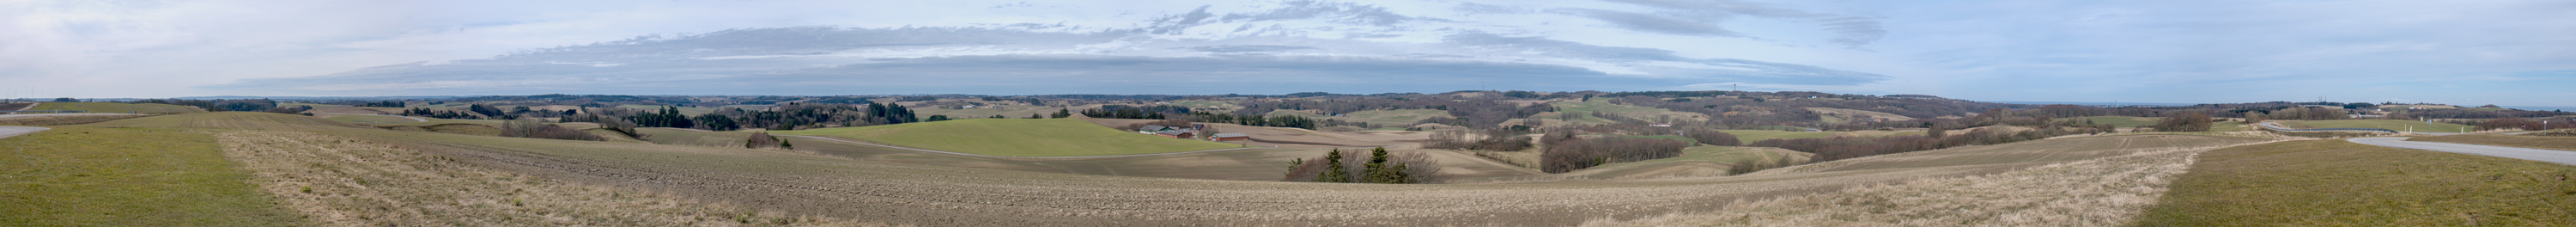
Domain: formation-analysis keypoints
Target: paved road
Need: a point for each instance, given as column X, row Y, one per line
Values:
column 2554, row 156
column 8, row 131
column 2274, row 126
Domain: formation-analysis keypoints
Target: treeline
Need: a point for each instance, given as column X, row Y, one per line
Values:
column 244, row 105
column 1377, row 166
column 540, row 130
column 1567, row 152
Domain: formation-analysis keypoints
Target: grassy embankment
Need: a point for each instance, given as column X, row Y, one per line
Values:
column 1016, row 137
column 2534, row 142
column 109, row 107
column 2338, row 183
column 128, row 177
column 2399, row 125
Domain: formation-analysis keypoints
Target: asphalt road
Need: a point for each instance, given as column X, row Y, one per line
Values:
column 8, row 131
column 2553, row 156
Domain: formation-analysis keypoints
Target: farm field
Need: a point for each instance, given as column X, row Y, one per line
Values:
column 370, row 119
column 905, row 191
column 2535, row 142
column 1294, row 137
column 128, row 177
column 235, row 120
column 1007, row 111
column 1016, row 137
column 1394, row 117
column 1749, row 136
column 2322, row 183
column 109, row 107
column 2399, row 125
column 1585, row 109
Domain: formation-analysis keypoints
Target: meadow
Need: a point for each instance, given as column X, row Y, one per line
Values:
column 2339, row 183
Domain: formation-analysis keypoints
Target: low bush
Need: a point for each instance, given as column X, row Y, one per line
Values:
column 1409, row 167
column 1568, row 153
column 533, row 129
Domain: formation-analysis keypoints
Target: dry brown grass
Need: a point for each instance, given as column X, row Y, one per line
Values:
column 336, row 181
column 2099, row 192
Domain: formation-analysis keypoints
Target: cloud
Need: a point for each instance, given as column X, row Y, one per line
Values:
column 1274, row 47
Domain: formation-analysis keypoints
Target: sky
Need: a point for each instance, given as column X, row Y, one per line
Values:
column 2467, row 52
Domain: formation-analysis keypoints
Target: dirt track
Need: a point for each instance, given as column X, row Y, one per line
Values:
column 901, row 193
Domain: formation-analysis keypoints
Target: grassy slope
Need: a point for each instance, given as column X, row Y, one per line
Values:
column 2399, row 125
column 1017, row 137
column 1395, row 117
column 1699, row 161
column 239, row 120
column 1007, row 111
column 2338, row 183
column 2117, row 121
column 2535, row 142
column 128, row 177
column 1585, row 109
column 1748, row 136
column 370, row 119
column 109, row 107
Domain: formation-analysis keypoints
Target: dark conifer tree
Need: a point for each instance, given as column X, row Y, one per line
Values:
column 1333, row 172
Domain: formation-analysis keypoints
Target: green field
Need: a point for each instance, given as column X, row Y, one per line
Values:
column 2117, row 121
column 1394, row 117
column 370, row 119
column 109, row 107
column 2338, row 183
column 84, row 176
column 1007, row 111
column 2399, row 125
column 231, row 120
column 1748, row 136
column 1288, row 112
column 1017, row 137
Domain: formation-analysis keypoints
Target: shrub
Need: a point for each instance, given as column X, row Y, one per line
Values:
column 533, row 129
column 2194, row 121
column 761, row 140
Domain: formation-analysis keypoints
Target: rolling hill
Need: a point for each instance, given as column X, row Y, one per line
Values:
column 109, row 107
column 1016, row 137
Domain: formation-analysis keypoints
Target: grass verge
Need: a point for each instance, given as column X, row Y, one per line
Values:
column 2533, row 142
column 128, row 177
column 2338, row 183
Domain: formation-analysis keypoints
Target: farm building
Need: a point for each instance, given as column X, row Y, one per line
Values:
column 1229, row 136
column 1177, row 134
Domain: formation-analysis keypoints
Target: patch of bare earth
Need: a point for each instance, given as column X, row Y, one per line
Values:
column 2098, row 192
column 335, row 181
